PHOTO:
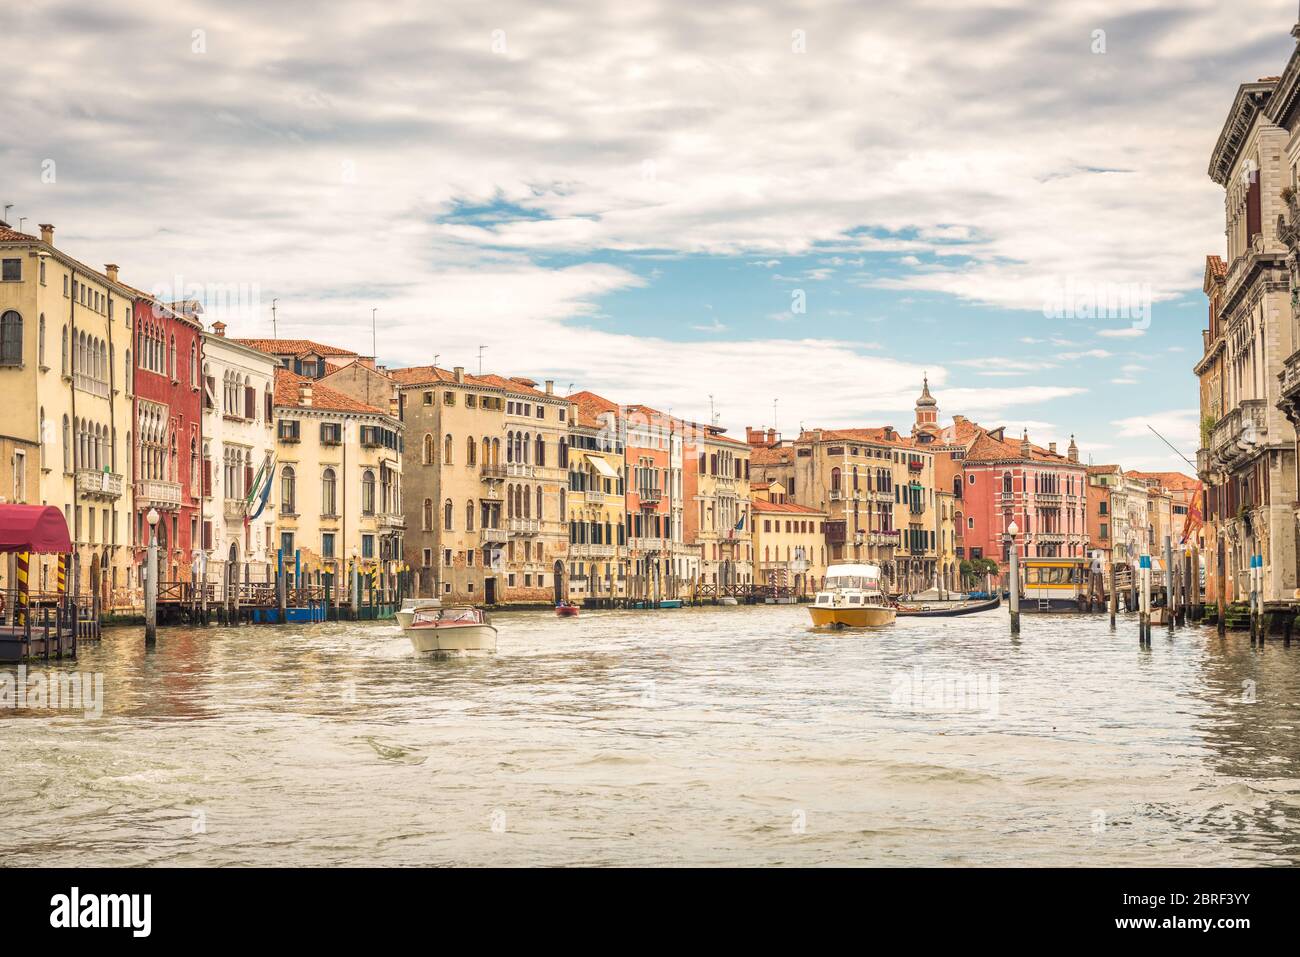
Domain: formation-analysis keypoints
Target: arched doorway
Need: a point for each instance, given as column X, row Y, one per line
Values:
column 559, row 581
column 96, row 574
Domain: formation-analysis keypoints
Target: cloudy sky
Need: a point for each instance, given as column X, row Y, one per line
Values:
column 783, row 212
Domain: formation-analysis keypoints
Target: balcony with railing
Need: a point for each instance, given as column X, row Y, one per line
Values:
column 524, row 526
column 650, row 497
column 234, row 509
column 152, row 493
column 390, row 520
column 592, row 550
column 90, row 384
column 646, row 545
column 520, row 470
column 1240, row 434
column 493, row 535
column 93, row 483
column 491, row 472
column 883, row 538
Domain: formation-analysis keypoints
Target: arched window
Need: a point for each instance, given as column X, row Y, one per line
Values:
column 427, row 518
column 510, row 446
column 1006, row 483
column 564, row 454
column 288, row 490
column 67, row 445
column 328, row 490
column 540, row 455
column 40, row 435
column 487, row 451
column 11, row 339
column 835, row 479
column 367, row 492
column 469, row 516
column 527, row 502
column 446, row 515
column 539, row 503
column 427, row 455
column 471, row 450
column 40, row 341
column 446, row 449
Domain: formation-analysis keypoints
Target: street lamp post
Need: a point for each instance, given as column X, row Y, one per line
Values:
column 1013, row 585
column 151, row 580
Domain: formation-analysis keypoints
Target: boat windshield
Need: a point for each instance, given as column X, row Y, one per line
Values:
column 860, row 582
column 425, row 616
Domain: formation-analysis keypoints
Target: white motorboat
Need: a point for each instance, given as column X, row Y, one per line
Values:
column 411, row 606
column 463, row 630
column 852, row 597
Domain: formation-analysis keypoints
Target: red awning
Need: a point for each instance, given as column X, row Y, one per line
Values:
column 33, row 528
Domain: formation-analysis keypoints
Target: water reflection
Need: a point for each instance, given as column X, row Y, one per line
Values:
column 728, row 735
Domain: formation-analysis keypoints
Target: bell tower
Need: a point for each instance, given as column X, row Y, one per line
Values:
column 927, row 411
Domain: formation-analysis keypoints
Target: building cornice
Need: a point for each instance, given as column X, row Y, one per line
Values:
column 1246, row 106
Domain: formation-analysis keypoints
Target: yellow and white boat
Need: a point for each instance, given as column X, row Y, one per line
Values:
column 852, row 598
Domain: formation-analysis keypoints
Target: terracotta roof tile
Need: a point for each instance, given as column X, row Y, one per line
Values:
column 293, row 347
column 786, row 507
column 288, row 387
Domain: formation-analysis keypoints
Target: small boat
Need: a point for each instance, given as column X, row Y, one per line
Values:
column 463, row 630
column 852, row 598
column 410, row 606
column 948, row 609
column 671, row 603
column 728, row 600
column 566, row 609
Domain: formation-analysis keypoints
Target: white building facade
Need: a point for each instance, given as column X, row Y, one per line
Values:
column 238, row 458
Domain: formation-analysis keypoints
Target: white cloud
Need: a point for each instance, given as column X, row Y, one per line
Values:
column 1127, row 332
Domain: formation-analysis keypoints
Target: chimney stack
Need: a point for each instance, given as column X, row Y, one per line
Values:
column 1051, row 447
column 771, row 437
column 47, row 234
column 219, row 328
column 305, row 393
column 460, row 373
column 1024, row 444
column 110, row 269
column 550, row 387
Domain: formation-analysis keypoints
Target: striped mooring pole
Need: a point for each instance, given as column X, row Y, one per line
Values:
column 22, row 598
column 62, row 576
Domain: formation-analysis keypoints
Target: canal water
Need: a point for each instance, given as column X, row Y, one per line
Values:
column 696, row 736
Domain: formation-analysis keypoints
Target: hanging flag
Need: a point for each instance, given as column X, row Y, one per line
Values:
column 1194, row 520
column 740, row 526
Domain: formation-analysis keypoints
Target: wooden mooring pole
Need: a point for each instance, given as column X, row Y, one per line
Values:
column 1144, row 601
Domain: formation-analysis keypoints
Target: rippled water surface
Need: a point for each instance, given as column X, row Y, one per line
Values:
column 698, row 736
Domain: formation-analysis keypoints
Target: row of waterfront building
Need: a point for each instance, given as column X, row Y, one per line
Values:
column 1249, row 367
column 487, row 488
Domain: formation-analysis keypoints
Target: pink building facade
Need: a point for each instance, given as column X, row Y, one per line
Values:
column 1041, row 490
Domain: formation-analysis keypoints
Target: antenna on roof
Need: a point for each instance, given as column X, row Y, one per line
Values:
column 21, row 220
column 436, row 357
column 480, row 359
column 374, row 340
column 774, row 402
column 273, row 334
column 8, row 206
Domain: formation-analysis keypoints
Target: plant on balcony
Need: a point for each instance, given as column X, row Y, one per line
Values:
column 1208, row 423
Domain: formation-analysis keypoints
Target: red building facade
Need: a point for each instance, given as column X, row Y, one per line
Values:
column 1043, row 491
column 166, row 439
